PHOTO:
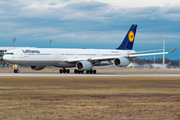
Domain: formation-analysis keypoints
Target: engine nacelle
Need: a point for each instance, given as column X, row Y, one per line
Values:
column 37, row 67
column 84, row 65
column 121, row 62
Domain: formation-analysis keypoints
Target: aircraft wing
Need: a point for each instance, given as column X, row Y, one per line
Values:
column 113, row 57
column 131, row 53
column 137, row 55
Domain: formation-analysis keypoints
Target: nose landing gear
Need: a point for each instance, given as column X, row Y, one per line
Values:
column 16, row 71
column 64, row 71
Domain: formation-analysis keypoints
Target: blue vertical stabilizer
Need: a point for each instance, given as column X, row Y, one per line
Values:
column 128, row 41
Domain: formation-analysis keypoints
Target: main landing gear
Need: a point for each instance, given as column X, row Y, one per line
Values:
column 87, row 71
column 64, row 71
column 16, row 71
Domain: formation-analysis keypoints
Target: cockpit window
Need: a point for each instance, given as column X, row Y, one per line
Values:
column 9, row 54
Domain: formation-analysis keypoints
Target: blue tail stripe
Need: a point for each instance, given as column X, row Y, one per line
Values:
column 128, row 41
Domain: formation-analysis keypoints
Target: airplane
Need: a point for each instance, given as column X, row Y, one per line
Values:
column 158, row 65
column 149, row 65
column 133, row 65
column 82, row 59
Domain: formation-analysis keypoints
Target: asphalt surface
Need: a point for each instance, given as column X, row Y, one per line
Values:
column 86, row 75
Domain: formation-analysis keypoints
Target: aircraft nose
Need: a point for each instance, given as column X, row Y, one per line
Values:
column 5, row 57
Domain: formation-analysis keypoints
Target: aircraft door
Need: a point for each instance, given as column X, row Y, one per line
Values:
column 98, row 54
column 56, row 55
column 21, row 55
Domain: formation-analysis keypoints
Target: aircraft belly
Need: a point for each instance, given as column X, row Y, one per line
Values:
column 34, row 63
column 65, row 64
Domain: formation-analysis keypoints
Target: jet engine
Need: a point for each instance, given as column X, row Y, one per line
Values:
column 37, row 67
column 121, row 62
column 84, row 65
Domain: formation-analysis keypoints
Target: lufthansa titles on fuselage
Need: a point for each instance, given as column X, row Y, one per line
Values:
column 31, row 51
column 114, row 52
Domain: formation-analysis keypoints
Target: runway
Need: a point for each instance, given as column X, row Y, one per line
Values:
column 84, row 75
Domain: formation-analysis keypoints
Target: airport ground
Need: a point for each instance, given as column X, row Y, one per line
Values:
column 103, row 70
column 90, row 98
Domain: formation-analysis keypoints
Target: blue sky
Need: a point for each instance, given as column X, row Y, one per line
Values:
column 99, row 24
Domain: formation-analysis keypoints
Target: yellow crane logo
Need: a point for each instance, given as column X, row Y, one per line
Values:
column 131, row 36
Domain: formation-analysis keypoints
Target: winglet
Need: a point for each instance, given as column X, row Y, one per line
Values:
column 172, row 50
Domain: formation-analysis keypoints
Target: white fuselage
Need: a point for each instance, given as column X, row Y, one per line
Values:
column 58, row 57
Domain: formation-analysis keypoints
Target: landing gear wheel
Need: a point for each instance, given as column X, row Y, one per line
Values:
column 64, row 71
column 94, row 71
column 91, row 71
column 75, row 71
column 68, row 71
column 60, row 71
column 87, row 71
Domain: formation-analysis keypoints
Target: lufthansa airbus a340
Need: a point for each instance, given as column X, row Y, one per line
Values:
column 82, row 59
